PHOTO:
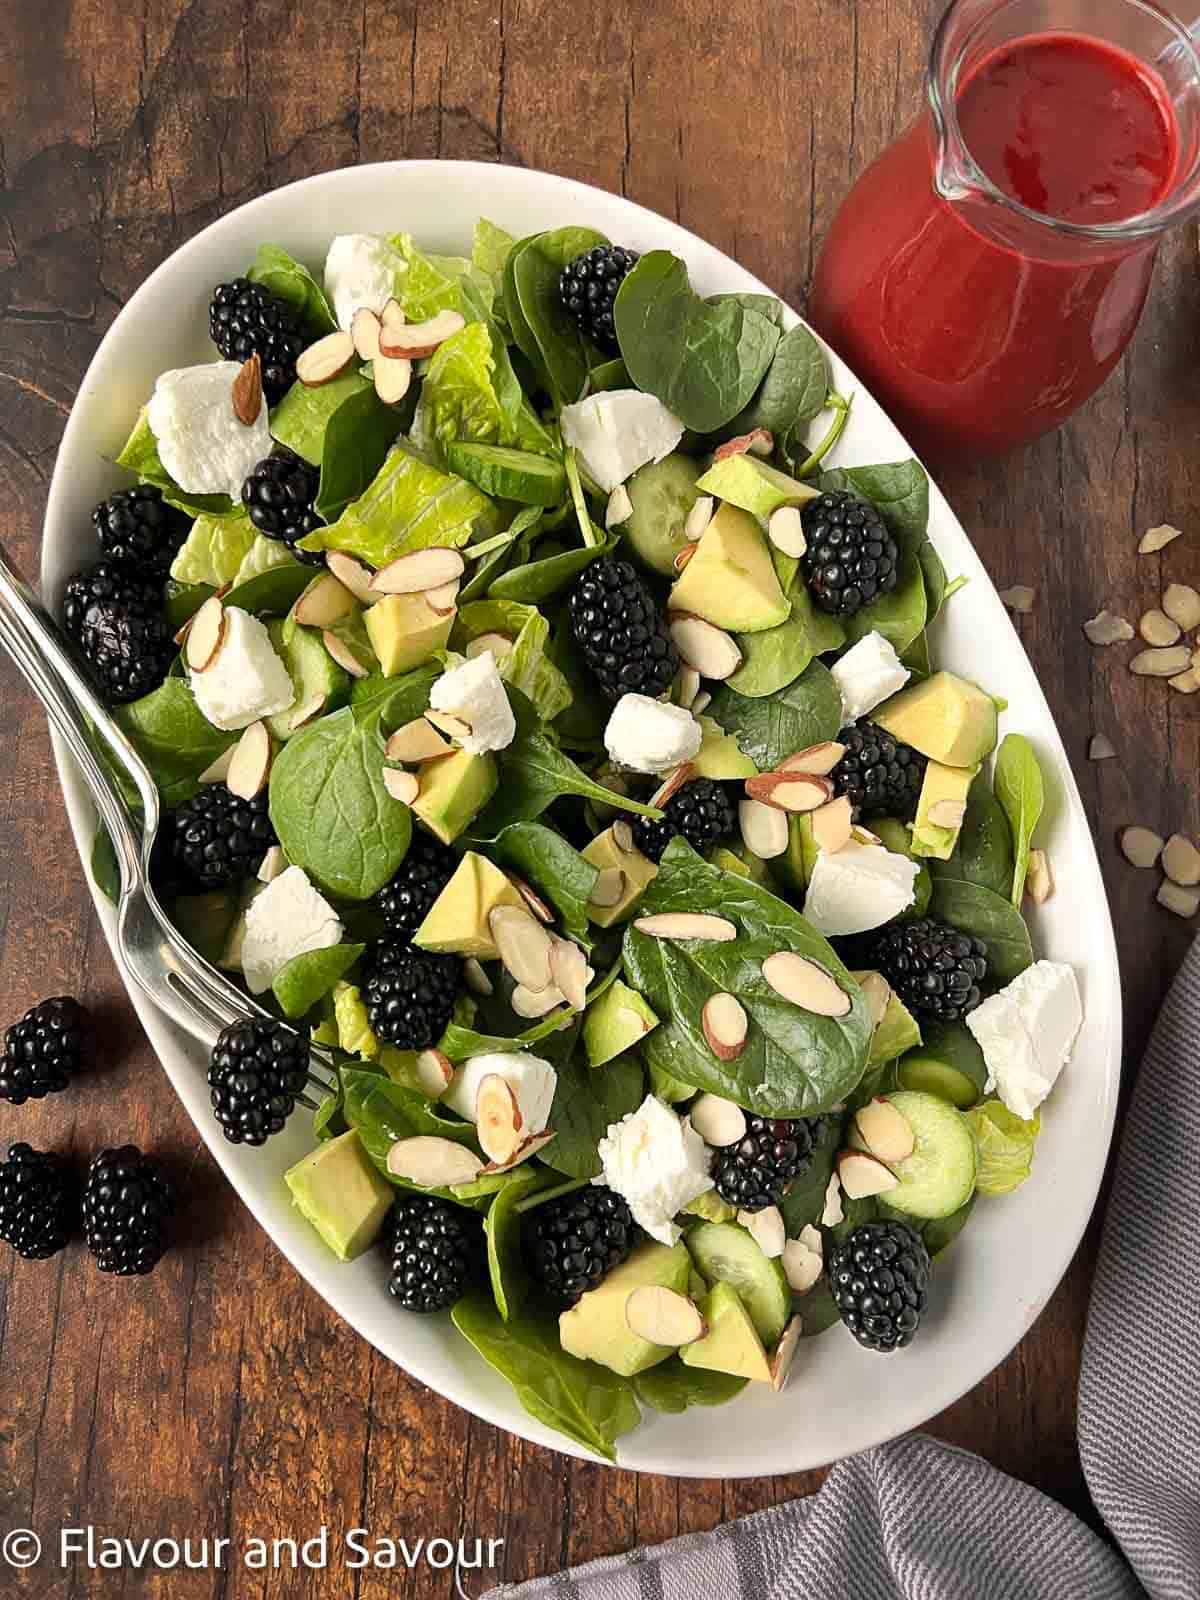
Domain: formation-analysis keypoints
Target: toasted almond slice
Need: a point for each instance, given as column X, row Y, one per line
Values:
column 759, row 442
column 453, row 727
column 877, row 992
column 434, row 1071
column 622, row 837
column 832, row 1212
column 687, row 925
column 402, row 786
column 684, row 554
column 1157, row 628
column 541, row 910
column 947, row 813
column 725, row 1026
column 1182, row 604
column 832, row 825
column 766, row 1229
column 1183, row 902
column 392, row 317
column 419, row 570
column 1019, row 598
column 206, row 635
column 273, row 865
column 687, row 686
column 325, row 359
column 343, row 655
column 764, row 829
column 785, row 1353
column 305, row 710
column 1181, row 861
column 218, row 770
column 413, row 341
column 1161, row 663
column 433, row 1163
column 711, row 651
column 886, row 1132
column 534, row 1003
column 570, row 973
column 443, row 598
column 365, row 331
column 719, row 1122
column 1140, row 846
column 699, row 517
column 671, row 784
column 415, row 742
column 529, row 1148
column 1105, row 628
column 619, row 508
column 801, row 1266
column 1101, row 748
column 785, row 529
column 1039, row 880
column 1155, row 539
column 498, row 1120
column 701, row 703
column 392, row 378
column 663, row 1316
column 861, row 1176
column 523, row 946
column 804, row 984
column 1185, row 682
column 251, row 764
column 476, row 979
column 323, row 602
column 818, row 759
column 352, row 575
column 498, row 645
column 790, row 791
column 608, row 888
column 248, row 391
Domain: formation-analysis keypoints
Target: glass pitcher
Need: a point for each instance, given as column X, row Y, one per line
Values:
column 981, row 320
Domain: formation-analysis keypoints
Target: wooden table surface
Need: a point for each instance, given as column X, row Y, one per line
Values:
column 221, row 1396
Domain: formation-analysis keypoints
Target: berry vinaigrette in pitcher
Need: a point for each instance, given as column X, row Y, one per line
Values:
column 986, row 272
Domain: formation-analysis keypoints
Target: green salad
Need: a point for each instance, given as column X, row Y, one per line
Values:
column 546, row 730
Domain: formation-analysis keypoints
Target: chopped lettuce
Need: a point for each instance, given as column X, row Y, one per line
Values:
column 354, row 1034
column 215, row 549
column 489, row 252
column 264, row 555
column 526, row 666
column 471, row 393
column 431, row 283
column 1004, row 1145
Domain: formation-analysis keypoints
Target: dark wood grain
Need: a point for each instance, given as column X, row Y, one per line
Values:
column 220, row 1395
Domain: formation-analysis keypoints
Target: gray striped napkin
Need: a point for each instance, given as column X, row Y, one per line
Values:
column 918, row 1520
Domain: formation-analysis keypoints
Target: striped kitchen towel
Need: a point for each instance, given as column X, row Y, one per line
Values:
column 918, row 1520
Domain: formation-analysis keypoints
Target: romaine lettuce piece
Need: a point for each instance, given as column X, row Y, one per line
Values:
column 215, row 549
column 1004, row 1146
column 526, row 666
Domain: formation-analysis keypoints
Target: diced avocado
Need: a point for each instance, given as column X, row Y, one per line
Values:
column 618, row 1020
column 318, row 682
column 454, row 790
column 730, row 580
column 639, row 871
column 457, row 921
column 896, row 836
column 595, row 1327
column 947, row 1062
column 709, row 1207
column 354, row 1033
column 752, row 483
column 939, row 1176
column 732, row 1343
column 719, row 757
column 726, row 1253
column 338, row 1190
column 661, row 493
column 945, row 718
column 405, row 631
column 896, row 1033
column 930, row 838
column 743, row 862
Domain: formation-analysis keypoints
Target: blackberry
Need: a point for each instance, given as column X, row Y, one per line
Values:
column 434, row 1249
column 38, row 1202
column 620, row 633
column 771, row 1154
column 50, row 1045
column 128, row 649
column 218, row 838
column 258, row 1069
column 851, row 558
column 245, row 317
column 424, row 873
column 881, row 776
column 127, row 1205
column 879, row 1279
column 138, row 530
column 572, row 1244
column 410, row 994
column 935, row 970
column 700, row 810
column 105, row 583
column 279, row 496
column 588, row 288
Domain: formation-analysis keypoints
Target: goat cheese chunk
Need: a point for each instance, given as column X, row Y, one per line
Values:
column 475, row 693
column 618, row 431
column 858, row 887
column 532, row 1081
column 1026, row 1033
column 361, row 269
column 286, row 919
column 658, row 1163
column 201, row 442
column 651, row 736
column 869, row 673
column 247, row 680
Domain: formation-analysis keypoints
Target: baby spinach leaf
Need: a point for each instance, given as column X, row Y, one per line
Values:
column 309, row 976
column 295, row 285
column 183, row 600
column 609, row 375
column 795, row 1063
column 328, row 1121
column 140, row 455
column 777, row 656
column 354, row 443
column 206, row 920
column 172, row 736
column 564, row 354
column 900, row 615
column 1020, row 790
column 934, row 574
column 526, row 666
column 393, row 701
column 459, row 1042
column 793, row 391
column 502, row 1232
column 983, row 852
column 900, row 489
column 672, row 1387
column 578, row 1398
column 552, row 866
column 771, row 729
column 522, row 333
column 818, row 1312
column 272, row 593
column 916, row 656
column 538, row 581
column 586, row 1104
column 703, row 361
column 766, row 304
column 535, row 773
column 972, row 909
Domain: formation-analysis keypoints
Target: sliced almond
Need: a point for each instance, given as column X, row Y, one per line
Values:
column 541, row 910
column 861, row 1176
column 608, row 888
column 832, row 825
column 498, row 1120
column 1039, row 880
column 687, row 686
column 476, row 979
column 622, row 837
column 785, row 529
column 619, row 508
column 1157, row 628
column 352, row 575
column 803, row 983
column 1183, row 902
column 832, row 1212
column 206, row 635
column 759, row 442
column 218, row 770
column 1185, row 682
column 790, row 791
column 446, row 722
column 687, row 925
column 392, row 378
column 434, row 1071
column 443, row 598
column 1019, row 598
column 726, row 1026
column 877, row 992
column 570, row 972
column 671, row 784
column 699, row 517
column 402, row 786
column 273, row 865
column 391, row 318
column 412, row 341
column 711, row 651
column 801, row 1266
column 784, row 1354
column 305, row 710
column 663, row 1316
column 248, row 391
column 1101, row 748
column 433, row 1163
column 1181, row 861
column 325, row 359
column 1161, row 663
column 419, row 570
column 533, row 1004
column 766, row 1228
column 497, row 645
column 364, row 330
column 818, row 759
column 764, row 829
column 947, row 813
column 415, row 742
column 251, row 764
column 523, row 946
column 343, row 655
column 719, row 1122
column 1105, row 628
column 1182, row 604
column 531, row 1147
column 324, row 602
column 683, row 555
column 701, row 703
column 886, row 1132
column 1140, row 846
column 1157, row 538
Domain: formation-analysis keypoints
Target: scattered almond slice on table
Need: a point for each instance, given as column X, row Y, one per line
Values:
column 1106, row 628
column 1183, row 902
column 1140, row 846
column 1019, row 598
column 1101, row 748
column 1157, row 628
column 1182, row 604
column 1185, row 682
column 1164, row 663
column 1181, row 861
column 1155, row 539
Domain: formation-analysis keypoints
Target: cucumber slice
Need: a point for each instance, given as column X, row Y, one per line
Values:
column 947, row 1062
column 939, row 1176
column 662, row 494
column 313, row 672
column 725, row 1253
column 508, row 474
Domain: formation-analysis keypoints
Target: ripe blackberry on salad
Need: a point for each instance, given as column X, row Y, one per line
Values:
column 547, row 728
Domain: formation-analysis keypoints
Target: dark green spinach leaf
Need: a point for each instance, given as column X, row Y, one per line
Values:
column 543, row 857
column 308, row 977
column 1022, row 794
column 983, row 852
column 768, row 730
column 586, row 1104
column 972, row 909
column 535, row 773
column 295, row 285
column 671, row 1387
column 173, row 738
column 502, row 1233
column 562, row 351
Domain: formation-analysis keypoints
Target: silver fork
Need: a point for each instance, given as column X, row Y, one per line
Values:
column 192, row 992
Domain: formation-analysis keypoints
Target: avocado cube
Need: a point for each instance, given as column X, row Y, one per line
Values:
column 405, row 631
column 941, row 783
column 338, row 1190
column 753, row 484
column 719, row 757
column 639, row 871
column 595, row 1327
column 731, row 580
column 454, row 790
column 944, row 717
column 731, row 1344
column 317, row 680
column 896, row 1032
column 618, row 1020
column 457, row 921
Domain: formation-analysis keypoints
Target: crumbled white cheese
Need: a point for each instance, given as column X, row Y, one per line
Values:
column 531, row 1079
column 651, row 736
column 868, row 674
column 618, row 431
column 247, row 680
column 201, row 442
column 858, row 887
column 285, row 919
column 657, row 1162
column 1026, row 1033
column 361, row 269
column 832, row 1212
column 474, row 692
